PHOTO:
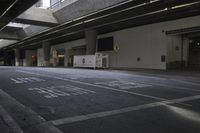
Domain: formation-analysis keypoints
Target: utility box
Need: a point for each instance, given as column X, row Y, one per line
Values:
column 99, row 60
column 85, row 61
column 102, row 60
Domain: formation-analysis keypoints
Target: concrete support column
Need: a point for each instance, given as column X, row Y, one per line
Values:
column 55, row 57
column 46, row 50
column 66, row 57
column 5, row 58
column 185, row 51
column 17, row 57
column 91, row 39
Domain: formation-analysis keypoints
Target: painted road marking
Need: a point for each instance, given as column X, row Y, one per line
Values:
column 61, row 91
column 157, row 84
column 98, row 86
column 13, row 126
column 124, row 85
column 26, row 80
column 40, row 124
column 175, row 87
column 79, row 118
column 186, row 82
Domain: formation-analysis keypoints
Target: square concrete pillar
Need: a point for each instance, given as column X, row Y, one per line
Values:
column 91, row 39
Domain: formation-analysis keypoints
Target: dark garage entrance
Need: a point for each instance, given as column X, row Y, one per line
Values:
column 61, row 57
column 194, row 53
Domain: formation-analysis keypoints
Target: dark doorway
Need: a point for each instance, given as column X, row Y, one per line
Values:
column 9, row 58
column 71, row 60
column 34, row 60
column 194, row 53
column 61, row 57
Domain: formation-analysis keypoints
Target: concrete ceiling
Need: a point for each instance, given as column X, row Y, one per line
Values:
column 128, row 14
column 5, row 42
column 10, row 9
column 37, row 16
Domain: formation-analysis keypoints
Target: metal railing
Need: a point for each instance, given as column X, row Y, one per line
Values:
column 52, row 5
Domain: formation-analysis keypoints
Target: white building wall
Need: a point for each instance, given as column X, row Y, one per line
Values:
column 140, row 42
column 147, row 42
column 150, row 42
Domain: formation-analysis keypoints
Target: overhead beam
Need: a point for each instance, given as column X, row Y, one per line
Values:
column 135, row 11
column 132, row 22
column 13, row 10
column 90, row 16
column 183, row 31
column 37, row 16
column 139, row 13
column 193, row 35
column 6, row 5
column 9, row 36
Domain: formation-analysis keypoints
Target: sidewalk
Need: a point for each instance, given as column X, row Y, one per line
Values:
column 3, row 127
column 7, row 123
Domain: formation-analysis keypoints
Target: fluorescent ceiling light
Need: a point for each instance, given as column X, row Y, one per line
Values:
column 17, row 25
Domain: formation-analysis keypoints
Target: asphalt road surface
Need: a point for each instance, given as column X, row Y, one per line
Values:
column 61, row 100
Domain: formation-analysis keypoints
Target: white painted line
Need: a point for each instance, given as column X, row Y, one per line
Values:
column 186, row 82
column 16, row 81
column 41, row 124
column 13, row 126
column 110, row 88
column 26, row 80
column 151, row 77
column 142, row 75
column 99, row 86
column 170, row 86
column 79, row 118
column 60, row 91
column 123, row 84
column 104, row 87
column 175, row 87
column 119, row 90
